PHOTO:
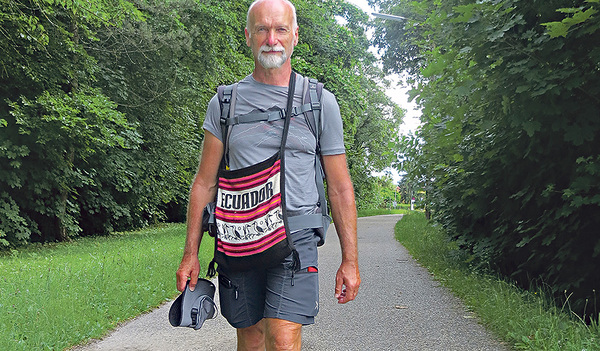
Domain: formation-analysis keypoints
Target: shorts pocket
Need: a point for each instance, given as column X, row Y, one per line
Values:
column 308, row 279
column 242, row 297
column 229, row 299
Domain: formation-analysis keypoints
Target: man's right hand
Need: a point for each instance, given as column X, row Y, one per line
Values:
column 189, row 269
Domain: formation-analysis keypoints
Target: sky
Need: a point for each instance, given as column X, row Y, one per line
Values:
column 397, row 93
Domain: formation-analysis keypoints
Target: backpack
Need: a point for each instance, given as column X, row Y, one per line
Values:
column 311, row 109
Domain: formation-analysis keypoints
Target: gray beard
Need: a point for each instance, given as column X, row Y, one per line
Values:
column 272, row 61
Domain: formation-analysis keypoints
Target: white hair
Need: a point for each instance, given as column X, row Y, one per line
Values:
column 295, row 21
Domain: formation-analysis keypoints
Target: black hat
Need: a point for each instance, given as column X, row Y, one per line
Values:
column 192, row 308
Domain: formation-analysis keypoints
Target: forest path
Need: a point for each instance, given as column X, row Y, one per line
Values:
column 399, row 307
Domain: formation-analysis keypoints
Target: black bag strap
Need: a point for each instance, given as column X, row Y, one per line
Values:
column 227, row 95
column 286, row 127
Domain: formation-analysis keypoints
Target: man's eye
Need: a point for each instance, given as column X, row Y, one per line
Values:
column 282, row 30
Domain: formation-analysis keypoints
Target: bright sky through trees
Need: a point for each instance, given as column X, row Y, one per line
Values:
column 398, row 94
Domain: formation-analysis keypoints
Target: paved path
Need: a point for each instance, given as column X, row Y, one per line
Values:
column 399, row 307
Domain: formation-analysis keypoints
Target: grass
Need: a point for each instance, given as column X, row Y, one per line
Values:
column 525, row 320
column 59, row 295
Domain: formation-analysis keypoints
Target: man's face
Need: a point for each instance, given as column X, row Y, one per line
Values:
column 271, row 34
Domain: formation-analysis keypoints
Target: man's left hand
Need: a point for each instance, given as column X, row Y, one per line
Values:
column 347, row 281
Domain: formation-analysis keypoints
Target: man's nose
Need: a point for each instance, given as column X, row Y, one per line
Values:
column 272, row 38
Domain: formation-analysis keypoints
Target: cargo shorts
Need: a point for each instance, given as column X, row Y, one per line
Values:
column 278, row 292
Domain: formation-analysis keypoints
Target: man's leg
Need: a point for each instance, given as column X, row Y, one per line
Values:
column 251, row 338
column 242, row 297
column 292, row 297
column 282, row 335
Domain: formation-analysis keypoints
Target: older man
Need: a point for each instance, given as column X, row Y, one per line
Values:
column 266, row 309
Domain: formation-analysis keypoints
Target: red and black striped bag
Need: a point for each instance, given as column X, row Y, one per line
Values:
column 250, row 217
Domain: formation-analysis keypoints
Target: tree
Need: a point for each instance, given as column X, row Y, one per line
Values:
column 52, row 120
column 102, row 105
column 509, row 91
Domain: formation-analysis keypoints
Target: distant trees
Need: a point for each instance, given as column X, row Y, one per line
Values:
column 102, row 102
column 509, row 153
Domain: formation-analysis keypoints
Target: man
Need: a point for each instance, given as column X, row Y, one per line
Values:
column 267, row 311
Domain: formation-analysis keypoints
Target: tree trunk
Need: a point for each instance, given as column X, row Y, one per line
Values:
column 63, row 234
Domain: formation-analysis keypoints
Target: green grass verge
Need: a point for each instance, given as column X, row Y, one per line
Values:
column 59, row 295
column 525, row 320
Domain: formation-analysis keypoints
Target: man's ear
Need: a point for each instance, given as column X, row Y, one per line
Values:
column 247, row 37
column 296, row 37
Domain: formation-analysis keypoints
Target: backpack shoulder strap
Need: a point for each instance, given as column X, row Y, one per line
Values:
column 227, row 95
column 311, row 97
column 313, row 90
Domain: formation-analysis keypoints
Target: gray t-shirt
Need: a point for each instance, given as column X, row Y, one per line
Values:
column 252, row 143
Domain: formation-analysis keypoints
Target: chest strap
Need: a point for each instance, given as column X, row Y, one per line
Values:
column 270, row 116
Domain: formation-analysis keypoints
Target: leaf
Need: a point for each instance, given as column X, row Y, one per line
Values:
column 458, row 157
column 531, row 127
column 466, row 13
column 561, row 29
column 496, row 35
column 524, row 241
column 578, row 134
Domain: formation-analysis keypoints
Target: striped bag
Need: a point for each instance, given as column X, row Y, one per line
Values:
column 250, row 218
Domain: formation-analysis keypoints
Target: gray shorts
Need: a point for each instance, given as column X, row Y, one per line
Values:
column 248, row 297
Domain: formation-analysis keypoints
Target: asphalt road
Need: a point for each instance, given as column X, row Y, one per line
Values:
column 399, row 307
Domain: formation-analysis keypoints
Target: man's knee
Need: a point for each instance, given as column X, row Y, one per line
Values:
column 251, row 338
column 283, row 335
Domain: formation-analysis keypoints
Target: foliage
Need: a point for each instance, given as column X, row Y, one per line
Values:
column 55, row 122
column 509, row 91
column 102, row 103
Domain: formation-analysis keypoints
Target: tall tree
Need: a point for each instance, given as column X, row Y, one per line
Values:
column 510, row 91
